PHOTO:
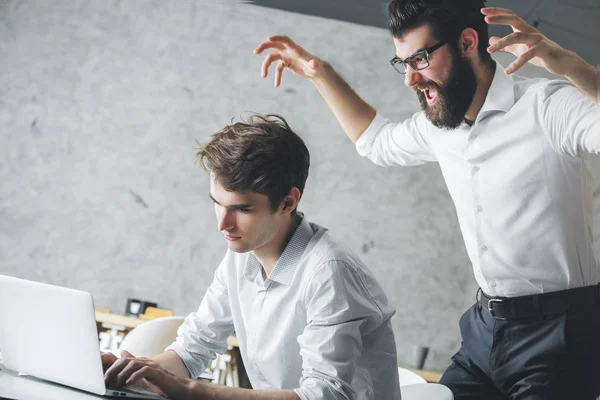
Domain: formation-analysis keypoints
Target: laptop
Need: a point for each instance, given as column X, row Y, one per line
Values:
column 49, row 332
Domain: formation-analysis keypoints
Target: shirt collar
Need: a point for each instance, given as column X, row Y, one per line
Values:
column 288, row 261
column 500, row 96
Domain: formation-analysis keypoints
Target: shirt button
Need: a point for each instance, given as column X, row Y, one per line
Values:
column 471, row 137
column 475, row 168
column 479, row 209
column 484, row 248
column 492, row 284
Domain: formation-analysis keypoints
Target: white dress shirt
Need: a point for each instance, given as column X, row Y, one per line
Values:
column 319, row 324
column 518, row 178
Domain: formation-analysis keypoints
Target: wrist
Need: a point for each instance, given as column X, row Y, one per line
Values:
column 194, row 389
column 572, row 64
column 322, row 72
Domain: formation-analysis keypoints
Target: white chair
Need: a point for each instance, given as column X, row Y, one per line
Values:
column 408, row 377
column 429, row 391
column 152, row 337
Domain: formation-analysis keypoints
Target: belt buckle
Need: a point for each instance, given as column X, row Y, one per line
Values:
column 491, row 309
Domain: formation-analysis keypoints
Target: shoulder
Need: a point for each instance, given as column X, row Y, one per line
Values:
column 323, row 250
column 526, row 87
column 329, row 259
column 333, row 272
column 541, row 88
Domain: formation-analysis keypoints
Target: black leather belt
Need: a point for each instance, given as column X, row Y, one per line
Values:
column 539, row 305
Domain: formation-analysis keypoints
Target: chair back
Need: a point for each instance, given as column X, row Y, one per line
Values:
column 151, row 338
column 408, row 377
column 429, row 391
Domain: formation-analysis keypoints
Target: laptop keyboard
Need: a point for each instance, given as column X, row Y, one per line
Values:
column 123, row 391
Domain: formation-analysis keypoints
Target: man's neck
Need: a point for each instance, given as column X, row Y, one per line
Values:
column 269, row 254
column 484, row 77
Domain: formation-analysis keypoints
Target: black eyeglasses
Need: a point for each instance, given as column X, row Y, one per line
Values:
column 418, row 61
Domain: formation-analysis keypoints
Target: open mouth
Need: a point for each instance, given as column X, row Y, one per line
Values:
column 430, row 95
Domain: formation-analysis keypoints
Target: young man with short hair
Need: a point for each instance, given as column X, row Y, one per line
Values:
column 512, row 152
column 312, row 322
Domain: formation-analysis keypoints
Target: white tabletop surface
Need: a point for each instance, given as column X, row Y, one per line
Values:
column 17, row 387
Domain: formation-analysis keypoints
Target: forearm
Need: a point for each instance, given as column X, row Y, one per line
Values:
column 352, row 112
column 210, row 391
column 584, row 76
column 171, row 361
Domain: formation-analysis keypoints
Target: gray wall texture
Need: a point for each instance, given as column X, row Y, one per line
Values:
column 100, row 103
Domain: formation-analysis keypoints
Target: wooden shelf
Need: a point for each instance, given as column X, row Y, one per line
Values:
column 118, row 320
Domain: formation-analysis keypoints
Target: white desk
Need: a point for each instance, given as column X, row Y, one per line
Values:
column 28, row 388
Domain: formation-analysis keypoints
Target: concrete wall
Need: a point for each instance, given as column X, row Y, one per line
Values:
column 100, row 103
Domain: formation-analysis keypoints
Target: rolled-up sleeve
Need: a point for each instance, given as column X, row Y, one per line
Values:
column 386, row 143
column 339, row 310
column 204, row 333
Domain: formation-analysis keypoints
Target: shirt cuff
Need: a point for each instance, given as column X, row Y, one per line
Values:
column 194, row 365
column 312, row 388
column 365, row 141
column 301, row 394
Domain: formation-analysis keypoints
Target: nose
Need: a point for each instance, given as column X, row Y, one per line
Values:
column 225, row 219
column 412, row 77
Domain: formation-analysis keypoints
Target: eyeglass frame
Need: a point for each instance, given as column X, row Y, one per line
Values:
column 424, row 52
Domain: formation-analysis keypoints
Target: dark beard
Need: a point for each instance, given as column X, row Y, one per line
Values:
column 454, row 98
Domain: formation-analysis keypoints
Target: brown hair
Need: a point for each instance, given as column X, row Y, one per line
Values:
column 259, row 154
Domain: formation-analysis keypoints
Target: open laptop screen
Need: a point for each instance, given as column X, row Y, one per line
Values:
column 49, row 332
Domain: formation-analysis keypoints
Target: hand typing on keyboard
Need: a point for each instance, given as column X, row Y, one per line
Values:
column 130, row 370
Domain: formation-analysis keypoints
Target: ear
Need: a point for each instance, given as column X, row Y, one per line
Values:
column 290, row 202
column 468, row 42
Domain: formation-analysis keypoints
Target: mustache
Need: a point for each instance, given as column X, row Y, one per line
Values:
column 426, row 85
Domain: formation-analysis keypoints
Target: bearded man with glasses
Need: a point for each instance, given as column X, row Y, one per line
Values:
column 513, row 153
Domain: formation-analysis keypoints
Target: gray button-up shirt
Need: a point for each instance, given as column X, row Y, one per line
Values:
column 319, row 324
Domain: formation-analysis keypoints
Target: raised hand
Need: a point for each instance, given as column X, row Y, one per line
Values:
column 288, row 55
column 526, row 43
